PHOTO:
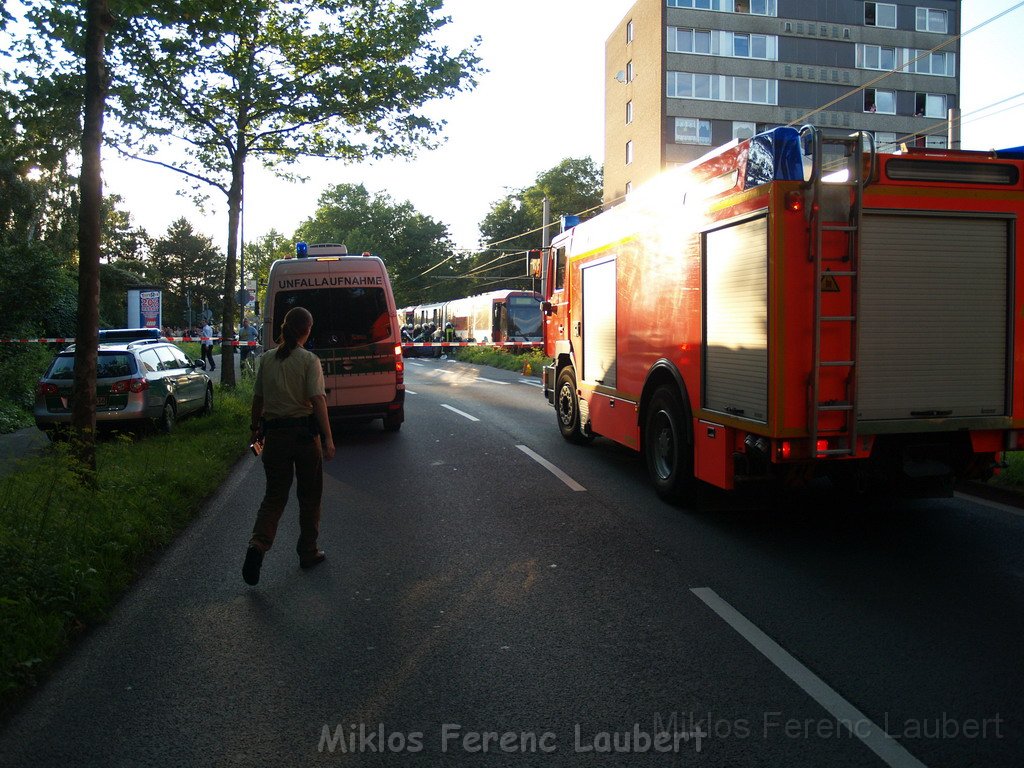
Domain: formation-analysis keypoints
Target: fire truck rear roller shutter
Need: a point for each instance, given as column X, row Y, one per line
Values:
column 933, row 317
column 736, row 326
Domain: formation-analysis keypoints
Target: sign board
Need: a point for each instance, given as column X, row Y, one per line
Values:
column 145, row 307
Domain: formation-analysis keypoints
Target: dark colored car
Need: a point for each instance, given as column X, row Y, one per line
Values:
column 137, row 382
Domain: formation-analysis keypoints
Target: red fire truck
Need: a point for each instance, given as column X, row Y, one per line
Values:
column 798, row 304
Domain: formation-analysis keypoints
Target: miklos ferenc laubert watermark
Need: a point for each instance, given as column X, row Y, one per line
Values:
column 358, row 738
column 674, row 734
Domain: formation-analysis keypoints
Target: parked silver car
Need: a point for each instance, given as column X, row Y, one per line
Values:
column 141, row 381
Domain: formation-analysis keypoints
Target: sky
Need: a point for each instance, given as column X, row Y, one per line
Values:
column 541, row 101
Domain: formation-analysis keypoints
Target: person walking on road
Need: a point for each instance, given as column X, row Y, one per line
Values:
column 246, row 334
column 206, row 345
column 289, row 411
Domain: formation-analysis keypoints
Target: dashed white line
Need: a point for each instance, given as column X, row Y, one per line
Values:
column 874, row 738
column 410, row 392
column 552, row 468
column 986, row 503
column 530, row 383
column 461, row 413
column 490, row 381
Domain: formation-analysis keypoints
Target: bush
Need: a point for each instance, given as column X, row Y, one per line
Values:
column 500, row 358
column 21, row 365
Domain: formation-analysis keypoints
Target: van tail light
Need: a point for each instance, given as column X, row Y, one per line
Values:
column 399, row 365
column 124, row 386
column 46, row 389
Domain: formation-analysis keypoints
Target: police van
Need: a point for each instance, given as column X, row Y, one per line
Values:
column 355, row 333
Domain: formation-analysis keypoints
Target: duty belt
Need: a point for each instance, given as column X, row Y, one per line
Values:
column 300, row 421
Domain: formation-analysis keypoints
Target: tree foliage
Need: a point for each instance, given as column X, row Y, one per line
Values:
column 280, row 80
column 189, row 268
column 409, row 242
column 514, row 223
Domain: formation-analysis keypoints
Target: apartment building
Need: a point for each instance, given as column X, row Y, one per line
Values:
column 683, row 76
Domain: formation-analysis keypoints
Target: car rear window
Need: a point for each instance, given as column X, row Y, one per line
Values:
column 109, row 365
column 342, row 317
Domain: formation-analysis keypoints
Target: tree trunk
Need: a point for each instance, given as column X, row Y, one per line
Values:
column 227, row 356
column 83, row 414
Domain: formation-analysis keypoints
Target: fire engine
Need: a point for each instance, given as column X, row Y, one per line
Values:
column 798, row 304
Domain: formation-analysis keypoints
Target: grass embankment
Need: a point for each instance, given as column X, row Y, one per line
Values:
column 68, row 553
column 498, row 358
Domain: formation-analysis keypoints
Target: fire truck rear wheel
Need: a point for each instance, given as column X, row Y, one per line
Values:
column 666, row 446
column 567, row 406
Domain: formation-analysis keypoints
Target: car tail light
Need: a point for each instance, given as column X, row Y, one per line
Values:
column 399, row 365
column 46, row 389
column 124, row 386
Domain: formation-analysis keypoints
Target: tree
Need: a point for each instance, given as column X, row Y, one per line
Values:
column 189, row 268
column 260, row 254
column 83, row 408
column 514, row 223
column 411, row 244
column 280, row 81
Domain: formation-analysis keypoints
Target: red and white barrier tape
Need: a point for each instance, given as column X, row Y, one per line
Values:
column 217, row 340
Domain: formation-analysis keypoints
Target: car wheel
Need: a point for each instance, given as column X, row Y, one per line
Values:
column 166, row 422
column 667, row 448
column 207, row 408
column 567, row 407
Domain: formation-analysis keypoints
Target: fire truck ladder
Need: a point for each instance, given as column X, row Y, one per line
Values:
column 835, row 207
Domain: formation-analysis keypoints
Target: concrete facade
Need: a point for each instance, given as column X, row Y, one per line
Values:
column 724, row 73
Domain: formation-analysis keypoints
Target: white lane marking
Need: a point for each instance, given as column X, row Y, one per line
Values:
column 418, row 365
column 410, row 392
column 531, row 383
column 552, row 468
column 491, row 381
column 461, row 413
column 986, row 503
column 874, row 738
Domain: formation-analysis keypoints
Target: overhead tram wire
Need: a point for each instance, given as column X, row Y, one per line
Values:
column 948, row 41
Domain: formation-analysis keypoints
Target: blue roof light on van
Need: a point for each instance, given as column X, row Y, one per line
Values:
column 301, row 249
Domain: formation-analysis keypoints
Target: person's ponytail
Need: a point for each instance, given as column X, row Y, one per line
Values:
column 296, row 324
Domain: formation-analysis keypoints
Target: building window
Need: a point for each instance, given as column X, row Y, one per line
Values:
column 629, row 31
column 746, row 90
column 885, row 141
column 880, row 15
column 682, row 40
column 875, row 57
column 629, row 187
column 943, row 64
column 935, row 142
column 931, row 20
column 754, row 7
column 629, row 112
column 690, row 130
column 629, row 71
column 629, row 152
column 930, row 105
column 876, row 100
column 742, row 130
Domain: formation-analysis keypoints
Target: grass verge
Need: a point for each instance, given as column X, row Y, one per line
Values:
column 499, row 358
column 68, row 553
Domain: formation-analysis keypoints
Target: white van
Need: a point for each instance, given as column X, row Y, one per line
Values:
column 355, row 334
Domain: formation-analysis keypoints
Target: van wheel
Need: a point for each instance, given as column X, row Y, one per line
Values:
column 166, row 421
column 393, row 423
column 567, row 406
column 667, row 449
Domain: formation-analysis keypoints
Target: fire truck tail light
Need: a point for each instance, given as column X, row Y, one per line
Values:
column 794, row 201
column 785, row 449
column 822, row 446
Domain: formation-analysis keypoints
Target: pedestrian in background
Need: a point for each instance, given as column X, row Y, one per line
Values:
column 206, row 345
column 246, row 334
column 289, row 411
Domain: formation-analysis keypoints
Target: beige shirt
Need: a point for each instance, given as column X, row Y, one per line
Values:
column 287, row 386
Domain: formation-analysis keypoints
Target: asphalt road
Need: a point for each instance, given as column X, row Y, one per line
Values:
column 481, row 607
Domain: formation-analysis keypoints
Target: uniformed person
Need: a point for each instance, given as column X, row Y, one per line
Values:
column 289, row 410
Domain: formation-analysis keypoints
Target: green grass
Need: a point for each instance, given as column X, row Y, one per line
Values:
column 1013, row 475
column 67, row 553
column 499, row 358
